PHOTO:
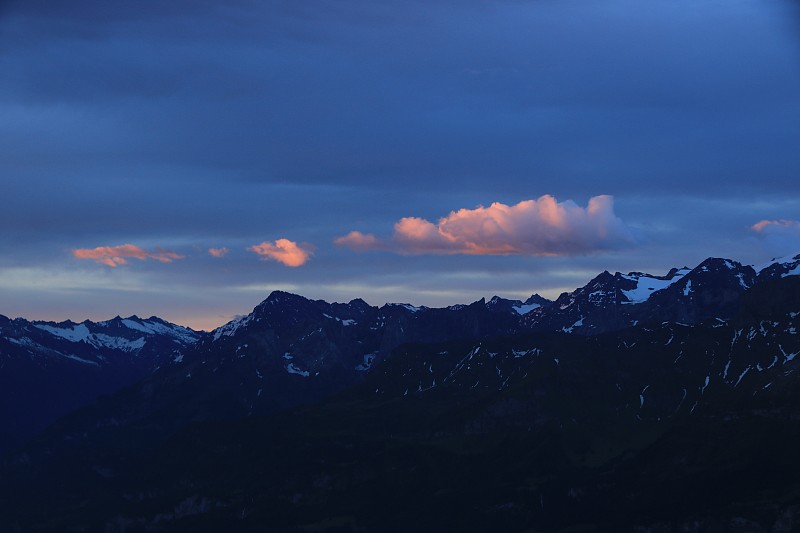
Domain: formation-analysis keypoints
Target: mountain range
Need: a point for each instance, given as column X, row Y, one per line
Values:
column 48, row 369
column 636, row 401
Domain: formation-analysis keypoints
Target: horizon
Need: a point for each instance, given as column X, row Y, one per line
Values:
column 189, row 159
column 440, row 305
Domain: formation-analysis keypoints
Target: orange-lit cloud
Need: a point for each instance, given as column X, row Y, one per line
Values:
column 284, row 251
column 118, row 255
column 783, row 225
column 532, row 227
column 355, row 240
column 779, row 237
column 218, row 252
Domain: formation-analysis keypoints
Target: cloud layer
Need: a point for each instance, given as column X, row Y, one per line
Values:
column 284, row 251
column 531, row 227
column 114, row 256
column 218, row 252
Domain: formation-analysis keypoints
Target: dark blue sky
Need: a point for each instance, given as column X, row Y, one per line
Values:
column 195, row 125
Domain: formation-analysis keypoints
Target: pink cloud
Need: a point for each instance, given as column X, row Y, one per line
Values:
column 532, row 227
column 218, row 252
column 778, row 237
column 355, row 240
column 783, row 225
column 284, row 251
column 114, row 256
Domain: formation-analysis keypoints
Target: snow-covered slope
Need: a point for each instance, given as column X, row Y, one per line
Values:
column 49, row 368
column 779, row 267
column 647, row 284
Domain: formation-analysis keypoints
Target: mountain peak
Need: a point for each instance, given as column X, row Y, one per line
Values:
column 720, row 263
column 282, row 299
column 537, row 299
column 495, row 301
column 278, row 296
column 674, row 270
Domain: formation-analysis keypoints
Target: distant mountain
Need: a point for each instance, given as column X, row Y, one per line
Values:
column 289, row 351
column 293, row 350
column 48, row 369
column 594, row 385
column 654, row 427
column 308, row 349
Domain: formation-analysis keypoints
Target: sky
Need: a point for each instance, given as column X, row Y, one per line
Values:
column 184, row 159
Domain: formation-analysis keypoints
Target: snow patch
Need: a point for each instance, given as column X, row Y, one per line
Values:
column 725, row 373
column 688, row 289
column 410, row 307
column 525, row 308
column 99, row 340
column 577, row 324
column 741, row 281
column 746, row 370
column 794, row 272
column 24, row 341
column 787, row 357
column 781, row 260
column 344, row 322
column 156, row 328
column 367, row 362
column 232, row 327
column 79, row 359
column 290, row 368
column 80, row 333
column 646, row 285
column 523, row 353
column 76, row 333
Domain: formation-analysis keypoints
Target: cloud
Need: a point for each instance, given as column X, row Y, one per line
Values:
column 218, row 252
column 779, row 237
column 777, row 226
column 355, row 240
column 531, row 227
column 114, row 256
column 284, row 251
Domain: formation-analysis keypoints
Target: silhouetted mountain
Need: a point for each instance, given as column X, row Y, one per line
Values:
column 672, row 425
column 635, row 401
column 48, row 369
column 612, row 302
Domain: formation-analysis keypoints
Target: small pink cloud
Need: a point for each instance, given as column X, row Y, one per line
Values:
column 782, row 225
column 284, row 251
column 532, row 227
column 114, row 256
column 355, row 240
column 218, row 252
column 778, row 237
